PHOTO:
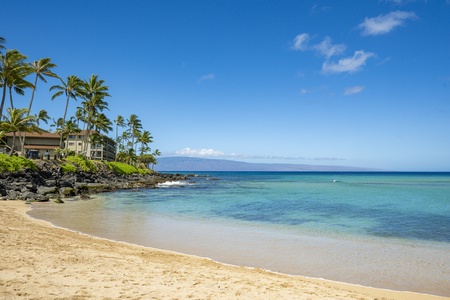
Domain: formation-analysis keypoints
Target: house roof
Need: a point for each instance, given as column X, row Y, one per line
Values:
column 43, row 134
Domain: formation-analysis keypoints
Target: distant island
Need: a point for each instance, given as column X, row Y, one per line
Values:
column 193, row 164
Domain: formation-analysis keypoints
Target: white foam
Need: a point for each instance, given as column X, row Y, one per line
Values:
column 168, row 184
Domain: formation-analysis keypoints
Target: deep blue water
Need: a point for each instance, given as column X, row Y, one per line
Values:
column 390, row 205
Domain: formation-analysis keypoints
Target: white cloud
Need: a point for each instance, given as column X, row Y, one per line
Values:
column 353, row 90
column 349, row 64
column 385, row 23
column 327, row 49
column 300, row 42
column 206, row 77
column 200, row 152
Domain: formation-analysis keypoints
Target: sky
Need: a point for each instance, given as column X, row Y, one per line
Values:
column 351, row 83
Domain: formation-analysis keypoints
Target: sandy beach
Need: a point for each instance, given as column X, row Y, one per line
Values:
column 40, row 261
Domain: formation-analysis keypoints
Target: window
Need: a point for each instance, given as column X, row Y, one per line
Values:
column 71, row 143
column 71, row 137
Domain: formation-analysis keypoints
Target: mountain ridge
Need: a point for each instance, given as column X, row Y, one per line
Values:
column 192, row 164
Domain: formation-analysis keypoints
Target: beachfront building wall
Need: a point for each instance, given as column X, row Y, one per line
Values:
column 37, row 145
column 103, row 151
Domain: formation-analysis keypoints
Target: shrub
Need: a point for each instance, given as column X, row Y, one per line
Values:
column 15, row 163
column 68, row 168
column 145, row 171
column 122, row 168
column 82, row 162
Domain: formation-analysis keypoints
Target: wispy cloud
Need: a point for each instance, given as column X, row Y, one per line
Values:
column 300, row 42
column 206, row 77
column 353, row 90
column 385, row 23
column 327, row 49
column 200, row 152
column 320, row 9
column 348, row 64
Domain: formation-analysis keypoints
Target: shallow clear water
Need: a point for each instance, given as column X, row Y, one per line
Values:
column 341, row 226
column 398, row 205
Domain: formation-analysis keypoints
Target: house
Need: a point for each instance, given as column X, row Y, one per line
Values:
column 99, row 151
column 37, row 145
column 43, row 145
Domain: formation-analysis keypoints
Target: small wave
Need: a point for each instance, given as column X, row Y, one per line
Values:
column 169, row 184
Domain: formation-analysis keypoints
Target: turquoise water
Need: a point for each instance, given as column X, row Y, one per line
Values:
column 391, row 205
column 389, row 230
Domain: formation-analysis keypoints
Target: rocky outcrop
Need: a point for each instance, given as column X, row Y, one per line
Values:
column 51, row 183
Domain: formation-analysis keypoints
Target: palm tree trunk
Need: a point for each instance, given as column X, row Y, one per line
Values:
column 10, row 97
column 3, row 99
column 29, row 110
column 32, row 95
column 13, row 141
column 64, row 122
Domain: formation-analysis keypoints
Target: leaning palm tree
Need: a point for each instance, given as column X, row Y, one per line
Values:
column 41, row 68
column 18, row 121
column 13, row 70
column 72, row 89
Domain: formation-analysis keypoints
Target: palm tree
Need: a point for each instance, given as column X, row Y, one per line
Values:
column 13, row 70
column 79, row 115
column 18, row 121
column 42, row 115
column 134, row 128
column 41, row 68
column 120, row 121
column 93, row 91
column 19, row 84
column 101, row 123
column 145, row 138
column 155, row 154
column 69, row 127
column 72, row 89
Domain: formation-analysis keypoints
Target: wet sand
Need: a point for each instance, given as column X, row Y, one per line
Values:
column 40, row 261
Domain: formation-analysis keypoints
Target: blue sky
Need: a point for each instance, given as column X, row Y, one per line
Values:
column 355, row 83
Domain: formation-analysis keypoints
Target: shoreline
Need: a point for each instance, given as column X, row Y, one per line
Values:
column 41, row 261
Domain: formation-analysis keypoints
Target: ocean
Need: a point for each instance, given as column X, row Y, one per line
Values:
column 388, row 230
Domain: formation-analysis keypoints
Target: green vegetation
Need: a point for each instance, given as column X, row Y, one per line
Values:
column 15, row 163
column 68, row 168
column 72, row 164
column 123, row 168
column 17, row 75
column 82, row 162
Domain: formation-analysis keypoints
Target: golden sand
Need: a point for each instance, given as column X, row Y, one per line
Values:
column 40, row 261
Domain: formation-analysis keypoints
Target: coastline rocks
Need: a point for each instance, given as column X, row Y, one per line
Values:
column 50, row 183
